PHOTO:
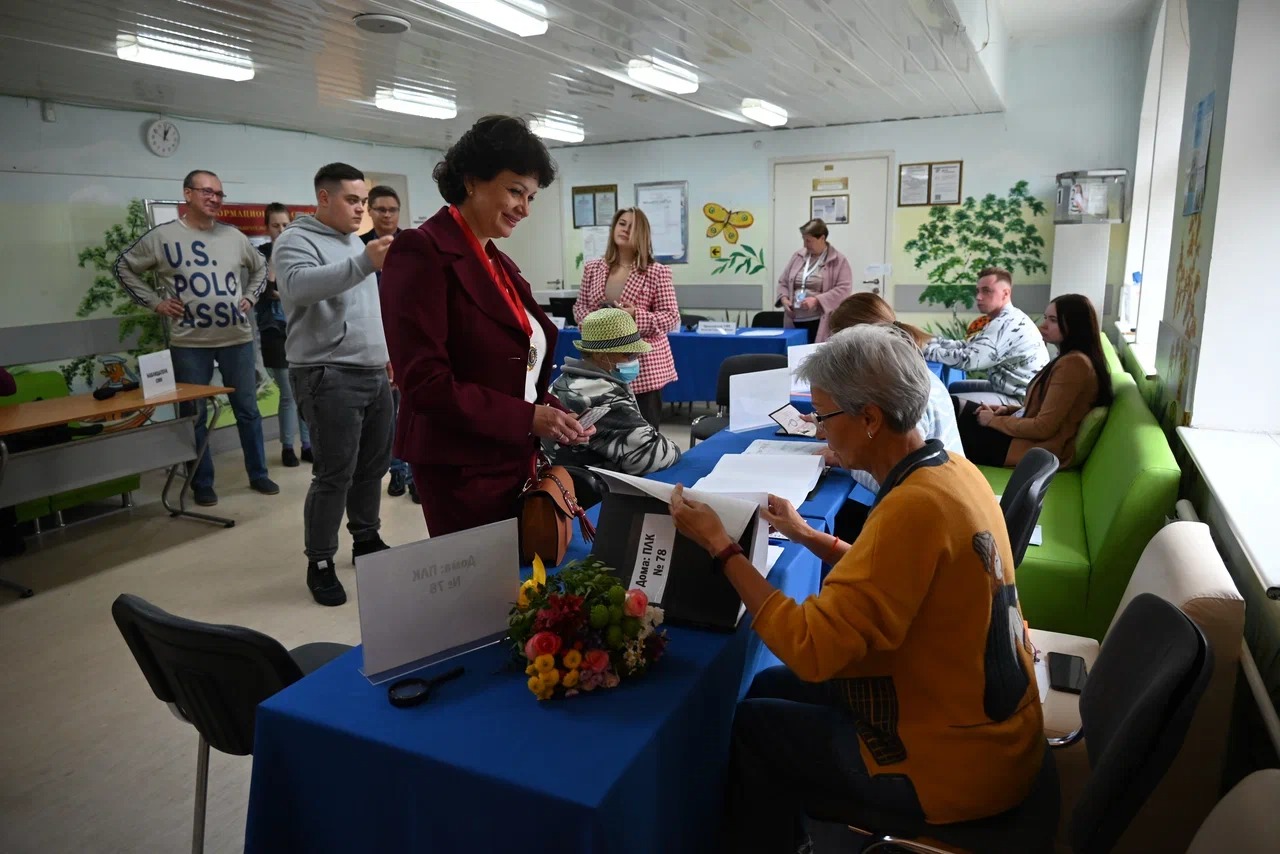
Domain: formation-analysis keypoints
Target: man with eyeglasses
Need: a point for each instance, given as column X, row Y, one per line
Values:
column 205, row 277
column 384, row 210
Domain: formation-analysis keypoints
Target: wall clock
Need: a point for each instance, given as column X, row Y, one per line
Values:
column 163, row 138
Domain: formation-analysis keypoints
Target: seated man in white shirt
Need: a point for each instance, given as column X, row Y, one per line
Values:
column 1009, row 348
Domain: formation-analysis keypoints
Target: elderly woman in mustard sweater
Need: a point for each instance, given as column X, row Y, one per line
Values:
column 908, row 682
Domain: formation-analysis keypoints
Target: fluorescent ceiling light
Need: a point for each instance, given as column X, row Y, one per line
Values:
column 179, row 57
column 764, row 112
column 557, row 129
column 415, row 104
column 522, row 18
column 662, row 75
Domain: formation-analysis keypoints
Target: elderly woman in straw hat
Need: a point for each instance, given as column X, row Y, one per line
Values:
column 624, row 441
column 908, row 682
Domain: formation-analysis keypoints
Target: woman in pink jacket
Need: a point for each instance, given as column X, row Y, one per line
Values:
column 628, row 278
column 814, row 282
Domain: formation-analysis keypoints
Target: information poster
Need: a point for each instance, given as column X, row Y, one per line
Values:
column 666, row 204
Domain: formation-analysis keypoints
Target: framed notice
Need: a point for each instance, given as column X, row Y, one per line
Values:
column 913, row 184
column 594, row 206
column 832, row 209
column 944, row 182
column 666, row 204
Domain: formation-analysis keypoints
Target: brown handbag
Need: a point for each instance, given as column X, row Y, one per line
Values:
column 545, row 511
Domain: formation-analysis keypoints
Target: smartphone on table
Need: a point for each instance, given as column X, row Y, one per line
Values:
column 1066, row 672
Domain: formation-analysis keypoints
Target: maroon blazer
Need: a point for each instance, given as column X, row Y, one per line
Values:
column 459, row 355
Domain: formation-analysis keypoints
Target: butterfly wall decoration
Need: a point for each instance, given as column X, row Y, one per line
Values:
column 725, row 220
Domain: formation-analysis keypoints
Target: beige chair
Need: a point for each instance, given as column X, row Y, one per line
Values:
column 1182, row 566
column 1246, row 821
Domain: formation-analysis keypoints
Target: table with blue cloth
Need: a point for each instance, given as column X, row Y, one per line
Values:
column 483, row 766
column 698, row 356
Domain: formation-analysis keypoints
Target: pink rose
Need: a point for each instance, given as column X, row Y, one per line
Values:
column 543, row 643
column 635, row 603
column 611, row 680
column 596, row 659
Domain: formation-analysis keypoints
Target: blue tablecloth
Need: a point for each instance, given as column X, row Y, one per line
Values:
column 698, row 357
column 483, row 766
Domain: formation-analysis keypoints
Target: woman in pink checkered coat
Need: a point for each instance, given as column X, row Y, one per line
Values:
column 628, row 278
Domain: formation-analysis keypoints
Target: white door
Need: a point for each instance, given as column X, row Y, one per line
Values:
column 537, row 244
column 862, row 237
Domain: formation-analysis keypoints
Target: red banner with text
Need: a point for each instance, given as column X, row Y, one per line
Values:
column 251, row 218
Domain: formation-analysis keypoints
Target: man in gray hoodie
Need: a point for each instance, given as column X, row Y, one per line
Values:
column 338, row 367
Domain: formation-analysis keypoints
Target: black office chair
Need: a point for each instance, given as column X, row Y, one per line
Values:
column 1023, row 498
column 691, row 321
column 213, row 677
column 1135, row 711
column 706, row 426
column 563, row 307
column 767, row 320
column 589, row 488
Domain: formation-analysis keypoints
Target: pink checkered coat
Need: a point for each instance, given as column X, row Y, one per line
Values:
column 657, row 313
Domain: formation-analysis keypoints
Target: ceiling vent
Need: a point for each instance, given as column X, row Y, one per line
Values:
column 383, row 25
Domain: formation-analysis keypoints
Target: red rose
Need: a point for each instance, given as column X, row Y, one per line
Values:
column 596, row 659
column 635, row 603
column 543, row 643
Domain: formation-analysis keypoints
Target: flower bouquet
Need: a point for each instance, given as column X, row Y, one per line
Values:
column 581, row 629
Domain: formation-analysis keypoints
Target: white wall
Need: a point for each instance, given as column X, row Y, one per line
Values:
column 1072, row 104
column 63, row 183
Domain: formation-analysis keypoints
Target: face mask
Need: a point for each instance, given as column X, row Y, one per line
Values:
column 627, row 371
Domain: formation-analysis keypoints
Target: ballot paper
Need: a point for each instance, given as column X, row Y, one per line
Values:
column 792, row 476
column 778, row 448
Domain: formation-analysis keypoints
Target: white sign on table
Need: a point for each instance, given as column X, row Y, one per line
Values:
column 426, row 601
column 558, row 321
column 796, row 356
column 717, row 327
column 156, row 370
column 653, row 557
column 753, row 396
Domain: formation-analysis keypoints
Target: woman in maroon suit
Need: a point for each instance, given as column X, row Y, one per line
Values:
column 470, row 348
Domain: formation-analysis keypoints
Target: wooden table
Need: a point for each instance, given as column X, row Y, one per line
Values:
column 71, row 465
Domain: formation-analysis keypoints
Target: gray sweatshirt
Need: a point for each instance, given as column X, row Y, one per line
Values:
column 330, row 297
column 209, row 271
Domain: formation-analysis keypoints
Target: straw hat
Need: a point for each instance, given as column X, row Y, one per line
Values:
column 610, row 330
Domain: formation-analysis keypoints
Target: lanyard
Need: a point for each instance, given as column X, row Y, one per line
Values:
column 810, row 266
column 496, row 272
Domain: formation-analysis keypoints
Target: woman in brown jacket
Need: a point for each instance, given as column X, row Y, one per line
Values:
column 1058, row 398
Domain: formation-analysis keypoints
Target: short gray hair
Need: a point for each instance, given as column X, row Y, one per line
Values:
column 872, row 363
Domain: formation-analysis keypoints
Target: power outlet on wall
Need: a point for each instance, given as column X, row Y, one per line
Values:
column 46, row 111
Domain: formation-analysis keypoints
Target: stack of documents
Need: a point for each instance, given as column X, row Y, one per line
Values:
column 792, row 476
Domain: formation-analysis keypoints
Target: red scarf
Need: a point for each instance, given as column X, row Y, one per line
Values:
column 496, row 272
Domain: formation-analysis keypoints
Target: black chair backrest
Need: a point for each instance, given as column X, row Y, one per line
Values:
column 562, row 307
column 745, row 363
column 1023, row 498
column 691, row 321
column 216, row 675
column 1136, row 708
column 767, row 320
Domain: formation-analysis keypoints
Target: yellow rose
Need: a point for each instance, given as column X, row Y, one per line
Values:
column 528, row 587
column 572, row 659
column 570, row 679
column 545, row 663
column 551, row 678
column 531, row 671
column 546, row 693
column 535, row 684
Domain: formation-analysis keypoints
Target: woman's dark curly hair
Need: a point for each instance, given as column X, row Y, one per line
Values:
column 493, row 144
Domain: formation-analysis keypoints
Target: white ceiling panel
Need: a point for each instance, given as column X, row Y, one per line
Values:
column 824, row 61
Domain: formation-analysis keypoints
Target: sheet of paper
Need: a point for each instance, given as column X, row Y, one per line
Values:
column 595, row 240
column 796, row 356
column 791, row 477
column 1042, row 678
column 779, row 447
column 762, row 333
column 775, row 552
column 156, row 370
column 653, row 556
column 735, row 512
column 753, row 396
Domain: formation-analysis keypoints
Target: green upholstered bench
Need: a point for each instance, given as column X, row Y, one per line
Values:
column 48, row 385
column 1097, row 519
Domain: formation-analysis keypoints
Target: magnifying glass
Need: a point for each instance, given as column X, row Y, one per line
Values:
column 413, row 691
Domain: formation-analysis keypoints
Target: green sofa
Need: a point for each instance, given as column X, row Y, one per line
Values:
column 48, row 385
column 1097, row 519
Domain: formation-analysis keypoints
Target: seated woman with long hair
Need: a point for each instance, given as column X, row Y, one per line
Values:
column 1058, row 398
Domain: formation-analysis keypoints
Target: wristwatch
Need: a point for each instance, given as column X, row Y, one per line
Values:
column 726, row 553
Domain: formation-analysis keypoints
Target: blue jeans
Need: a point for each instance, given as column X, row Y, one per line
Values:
column 795, row 752
column 236, row 364
column 290, row 426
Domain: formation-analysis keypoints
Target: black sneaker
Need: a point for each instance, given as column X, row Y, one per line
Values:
column 367, row 547
column 396, row 489
column 206, row 497
column 306, row 454
column 413, row 493
column 288, row 457
column 265, row 485
column 323, row 583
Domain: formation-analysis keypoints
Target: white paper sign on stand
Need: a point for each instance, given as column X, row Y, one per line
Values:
column 717, row 327
column 752, row 397
column 796, row 356
column 427, row 601
column 156, row 370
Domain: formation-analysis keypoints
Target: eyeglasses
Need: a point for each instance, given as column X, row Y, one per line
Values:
column 385, row 211
column 818, row 419
column 209, row 192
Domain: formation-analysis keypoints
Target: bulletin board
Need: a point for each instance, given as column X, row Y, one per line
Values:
column 666, row 204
